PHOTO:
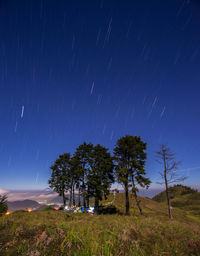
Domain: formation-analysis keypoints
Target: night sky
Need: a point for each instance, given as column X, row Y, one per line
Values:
column 74, row 71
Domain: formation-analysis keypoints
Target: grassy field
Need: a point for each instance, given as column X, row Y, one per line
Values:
column 50, row 232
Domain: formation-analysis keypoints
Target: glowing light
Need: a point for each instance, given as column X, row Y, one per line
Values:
column 29, row 210
column 7, row 213
column 56, row 208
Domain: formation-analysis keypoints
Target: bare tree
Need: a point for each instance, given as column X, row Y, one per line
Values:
column 169, row 174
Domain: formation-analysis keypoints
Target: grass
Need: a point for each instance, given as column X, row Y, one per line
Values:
column 50, row 232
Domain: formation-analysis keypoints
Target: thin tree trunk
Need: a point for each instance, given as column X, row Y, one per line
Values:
column 138, row 202
column 96, row 202
column 87, row 198
column 136, row 197
column 63, row 194
column 73, row 195
column 83, row 194
column 127, row 200
column 64, row 199
column 79, row 197
column 168, row 200
column 70, row 198
column 84, row 202
column 88, row 202
column 167, row 191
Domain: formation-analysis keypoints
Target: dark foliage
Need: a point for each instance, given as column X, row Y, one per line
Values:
column 3, row 204
column 130, row 158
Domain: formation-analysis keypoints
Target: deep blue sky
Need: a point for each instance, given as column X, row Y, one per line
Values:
column 74, row 71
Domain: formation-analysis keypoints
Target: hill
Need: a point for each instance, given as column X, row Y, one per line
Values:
column 51, row 232
column 175, row 191
column 184, row 198
column 22, row 205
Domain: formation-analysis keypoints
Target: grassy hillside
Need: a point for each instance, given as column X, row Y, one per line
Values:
column 50, row 232
column 184, row 198
column 175, row 191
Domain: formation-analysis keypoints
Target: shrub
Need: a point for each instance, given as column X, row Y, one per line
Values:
column 107, row 210
column 3, row 204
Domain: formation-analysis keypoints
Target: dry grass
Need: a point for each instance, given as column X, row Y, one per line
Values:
column 57, row 233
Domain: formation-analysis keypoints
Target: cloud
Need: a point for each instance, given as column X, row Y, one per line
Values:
column 191, row 169
column 36, row 195
column 3, row 191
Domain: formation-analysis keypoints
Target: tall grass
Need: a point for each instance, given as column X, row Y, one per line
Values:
column 49, row 232
column 57, row 233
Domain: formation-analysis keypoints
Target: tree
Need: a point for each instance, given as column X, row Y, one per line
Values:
column 60, row 177
column 169, row 174
column 76, row 172
column 3, row 204
column 100, row 175
column 81, row 160
column 130, row 158
column 94, row 171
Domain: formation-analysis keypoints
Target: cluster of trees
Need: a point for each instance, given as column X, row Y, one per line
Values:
column 92, row 170
column 89, row 170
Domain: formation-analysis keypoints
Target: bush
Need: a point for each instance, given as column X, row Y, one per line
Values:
column 107, row 210
column 3, row 204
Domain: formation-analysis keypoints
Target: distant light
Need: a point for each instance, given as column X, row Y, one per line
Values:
column 7, row 213
column 29, row 210
column 56, row 208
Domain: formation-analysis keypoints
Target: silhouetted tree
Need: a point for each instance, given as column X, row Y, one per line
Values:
column 81, row 162
column 130, row 160
column 76, row 171
column 100, row 175
column 3, row 204
column 169, row 174
column 60, row 180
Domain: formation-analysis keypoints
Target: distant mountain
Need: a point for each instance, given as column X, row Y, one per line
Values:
column 23, row 205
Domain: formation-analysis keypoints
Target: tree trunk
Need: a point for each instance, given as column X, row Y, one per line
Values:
column 73, row 195
column 79, row 197
column 96, row 202
column 70, row 198
column 168, row 200
column 87, row 197
column 88, row 202
column 127, row 200
column 138, row 203
column 167, row 191
column 63, row 194
column 64, row 199
column 84, row 201
column 83, row 194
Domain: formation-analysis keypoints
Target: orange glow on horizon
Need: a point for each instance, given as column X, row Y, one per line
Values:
column 7, row 213
column 29, row 210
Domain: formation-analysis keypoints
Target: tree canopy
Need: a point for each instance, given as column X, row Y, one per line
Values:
column 100, row 176
column 92, row 170
column 130, row 158
column 60, row 176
